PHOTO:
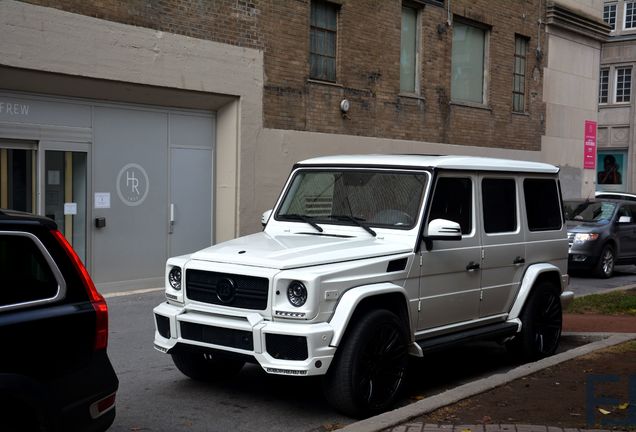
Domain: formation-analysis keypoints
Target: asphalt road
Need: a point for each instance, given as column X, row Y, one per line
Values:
column 154, row 396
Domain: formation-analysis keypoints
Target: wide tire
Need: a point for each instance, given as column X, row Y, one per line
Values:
column 542, row 320
column 606, row 262
column 369, row 369
column 206, row 367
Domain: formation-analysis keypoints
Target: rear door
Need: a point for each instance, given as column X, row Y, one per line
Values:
column 504, row 250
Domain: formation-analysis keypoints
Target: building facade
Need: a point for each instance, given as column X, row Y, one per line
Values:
column 150, row 129
column 617, row 118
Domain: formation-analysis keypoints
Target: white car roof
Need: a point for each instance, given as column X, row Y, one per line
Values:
column 470, row 163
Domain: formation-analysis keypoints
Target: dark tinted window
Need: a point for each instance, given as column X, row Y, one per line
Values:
column 499, row 198
column 26, row 275
column 453, row 200
column 542, row 204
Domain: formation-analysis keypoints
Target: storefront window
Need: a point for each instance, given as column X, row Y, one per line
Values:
column 611, row 169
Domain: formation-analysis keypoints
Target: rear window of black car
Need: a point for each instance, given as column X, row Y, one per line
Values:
column 26, row 274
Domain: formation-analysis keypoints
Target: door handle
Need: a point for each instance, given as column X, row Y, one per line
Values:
column 519, row 260
column 472, row 266
column 171, row 222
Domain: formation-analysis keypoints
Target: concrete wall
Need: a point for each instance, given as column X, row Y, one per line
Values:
column 571, row 96
column 36, row 38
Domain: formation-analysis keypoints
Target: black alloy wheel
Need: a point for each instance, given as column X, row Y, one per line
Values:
column 542, row 321
column 370, row 367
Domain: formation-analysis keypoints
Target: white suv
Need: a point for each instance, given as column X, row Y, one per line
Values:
column 368, row 259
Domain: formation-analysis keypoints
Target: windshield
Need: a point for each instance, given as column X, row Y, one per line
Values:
column 350, row 197
column 589, row 211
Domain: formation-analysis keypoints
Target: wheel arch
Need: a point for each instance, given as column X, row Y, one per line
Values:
column 357, row 301
column 534, row 275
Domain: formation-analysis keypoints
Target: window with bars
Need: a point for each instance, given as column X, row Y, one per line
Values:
column 623, row 84
column 519, row 74
column 629, row 21
column 323, row 32
column 609, row 15
column 603, row 88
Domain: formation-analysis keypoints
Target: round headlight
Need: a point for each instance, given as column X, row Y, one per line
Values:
column 174, row 278
column 297, row 293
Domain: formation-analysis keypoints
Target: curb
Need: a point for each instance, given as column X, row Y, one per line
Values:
column 609, row 290
column 401, row 415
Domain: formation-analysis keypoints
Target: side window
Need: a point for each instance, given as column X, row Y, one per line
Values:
column 453, row 200
column 25, row 272
column 542, row 204
column 629, row 211
column 499, row 199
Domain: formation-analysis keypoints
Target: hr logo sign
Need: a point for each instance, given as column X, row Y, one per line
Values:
column 132, row 184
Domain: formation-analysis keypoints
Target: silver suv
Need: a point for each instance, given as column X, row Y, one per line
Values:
column 367, row 260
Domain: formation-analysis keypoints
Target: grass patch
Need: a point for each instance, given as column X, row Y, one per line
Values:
column 614, row 303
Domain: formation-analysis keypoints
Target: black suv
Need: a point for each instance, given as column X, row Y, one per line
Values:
column 55, row 374
column 601, row 234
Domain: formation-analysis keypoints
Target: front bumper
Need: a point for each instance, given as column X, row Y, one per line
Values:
column 247, row 334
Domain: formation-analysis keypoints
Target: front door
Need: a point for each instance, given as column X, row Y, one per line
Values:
column 18, row 176
column 49, row 179
column 191, row 200
column 450, row 273
column 63, row 178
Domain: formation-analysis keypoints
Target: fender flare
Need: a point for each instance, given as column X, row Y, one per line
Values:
column 351, row 299
column 529, row 278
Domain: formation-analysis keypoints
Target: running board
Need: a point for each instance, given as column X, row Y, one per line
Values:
column 489, row 332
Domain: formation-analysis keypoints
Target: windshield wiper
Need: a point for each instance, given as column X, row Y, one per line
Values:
column 355, row 220
column 304, row 218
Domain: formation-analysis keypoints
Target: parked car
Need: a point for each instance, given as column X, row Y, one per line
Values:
column 615, row 195
column 601, row 234
column 368, row 259
column 55, row 374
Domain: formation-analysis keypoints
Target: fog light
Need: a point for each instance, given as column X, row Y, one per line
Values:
column 297, row 293
column 579, row 258
column 174, row 278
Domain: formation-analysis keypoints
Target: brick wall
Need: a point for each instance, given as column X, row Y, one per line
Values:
column 235, row 22
column 368, row 75
column 367, row 64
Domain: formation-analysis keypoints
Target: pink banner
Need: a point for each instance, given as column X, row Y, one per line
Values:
column 589, row 152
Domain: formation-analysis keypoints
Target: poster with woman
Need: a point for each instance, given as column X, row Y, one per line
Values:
column 610, row 171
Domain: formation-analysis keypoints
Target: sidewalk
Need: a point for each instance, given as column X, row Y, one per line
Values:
column 551, row 395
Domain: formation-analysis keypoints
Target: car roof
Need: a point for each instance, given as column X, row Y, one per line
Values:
column 19, row 217
column 470, row 163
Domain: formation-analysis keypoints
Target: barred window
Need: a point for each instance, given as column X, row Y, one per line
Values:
column 519, row 75
column 603, row 88
column 323, row 32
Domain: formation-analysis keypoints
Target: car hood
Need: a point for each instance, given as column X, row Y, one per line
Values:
column 584, row 227
column 297, row 250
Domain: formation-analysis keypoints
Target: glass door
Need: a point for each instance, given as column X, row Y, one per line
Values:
column 18, row 176
column 64, row 191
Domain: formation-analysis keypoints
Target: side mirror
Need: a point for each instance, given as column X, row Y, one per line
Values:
column 265, row 217
column 442, row 229
column 625, row 219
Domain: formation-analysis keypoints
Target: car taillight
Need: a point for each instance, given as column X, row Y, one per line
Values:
column 98, row 302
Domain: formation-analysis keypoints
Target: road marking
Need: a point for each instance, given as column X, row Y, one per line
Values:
column 133, row 292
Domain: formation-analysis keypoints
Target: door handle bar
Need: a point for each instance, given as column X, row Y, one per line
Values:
column 472, row 266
